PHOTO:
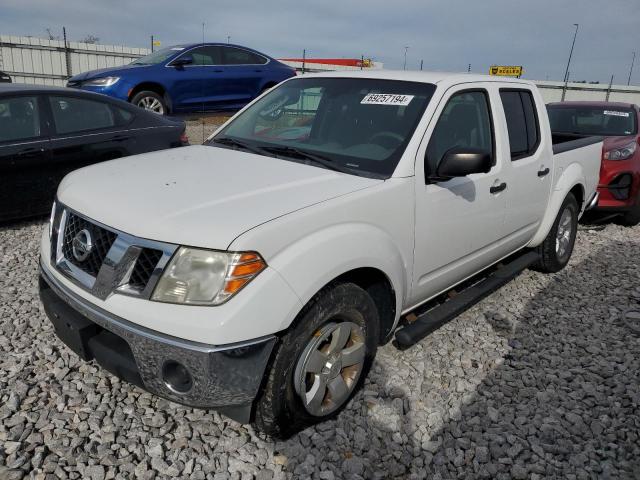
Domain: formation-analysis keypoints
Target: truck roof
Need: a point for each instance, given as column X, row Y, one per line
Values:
column 421, row 76
column 589, row 103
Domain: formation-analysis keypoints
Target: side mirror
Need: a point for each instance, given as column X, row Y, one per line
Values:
column 186, row 59
column 462, row 161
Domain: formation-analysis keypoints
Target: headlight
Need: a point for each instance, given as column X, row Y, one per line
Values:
column 101, row 82
column 621, row 153
column 206, row 277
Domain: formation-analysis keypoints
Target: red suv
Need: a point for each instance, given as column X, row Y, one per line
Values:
column 619, row 186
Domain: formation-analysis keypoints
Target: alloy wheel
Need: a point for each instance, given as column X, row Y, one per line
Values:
column 563, row 235
column 152, row 104
column 329, row 368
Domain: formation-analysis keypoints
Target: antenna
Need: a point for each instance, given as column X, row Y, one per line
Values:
column 202, row 118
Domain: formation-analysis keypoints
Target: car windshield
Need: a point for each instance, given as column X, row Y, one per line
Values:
column 355, row 125
column 591, row 120
column 158, row 57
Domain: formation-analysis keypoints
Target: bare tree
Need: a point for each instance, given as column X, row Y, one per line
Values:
column 50, row 34
column 90, row 39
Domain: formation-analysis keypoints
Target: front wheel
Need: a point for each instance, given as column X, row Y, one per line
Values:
column 556, row 249
column 150, row 101
column 320, row 362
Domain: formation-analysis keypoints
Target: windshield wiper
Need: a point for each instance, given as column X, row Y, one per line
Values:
column 319, row 159
column 232, row 142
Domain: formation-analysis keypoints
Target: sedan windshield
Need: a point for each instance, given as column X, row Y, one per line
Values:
column 354, row 125
column 585, row 120
column 158, row 57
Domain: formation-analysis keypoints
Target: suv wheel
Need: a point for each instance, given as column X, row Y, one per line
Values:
column 150, row 101
column 320, row 362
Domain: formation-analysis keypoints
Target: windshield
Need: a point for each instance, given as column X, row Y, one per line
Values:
column 356, row 125
column 584, row 120
column 158, row 57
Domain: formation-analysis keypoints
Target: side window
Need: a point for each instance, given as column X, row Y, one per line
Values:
column 206, row 55
column 19, row 118
column 72, row 114
column 123, row 117
column 464, row 122
column 522, row 122
column 237, row 56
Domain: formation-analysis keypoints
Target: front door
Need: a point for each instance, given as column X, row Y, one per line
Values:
column 460, row 222
column 197, row 87
column 25, row 188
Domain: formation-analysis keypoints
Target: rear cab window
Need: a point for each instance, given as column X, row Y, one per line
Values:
column 19, row 118
column 597, row 120
column 523, row 125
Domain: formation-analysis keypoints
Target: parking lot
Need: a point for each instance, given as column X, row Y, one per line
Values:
column 539, row 380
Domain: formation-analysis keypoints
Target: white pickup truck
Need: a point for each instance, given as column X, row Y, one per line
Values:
column 258, row 273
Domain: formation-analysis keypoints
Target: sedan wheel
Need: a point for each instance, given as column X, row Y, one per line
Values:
column 564, row 234
column 152, row 104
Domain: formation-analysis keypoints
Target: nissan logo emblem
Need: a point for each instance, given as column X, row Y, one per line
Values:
column 82, row 245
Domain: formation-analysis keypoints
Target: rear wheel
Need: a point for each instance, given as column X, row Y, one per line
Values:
column 556, row 249
column 150, row 101
column 320, row 362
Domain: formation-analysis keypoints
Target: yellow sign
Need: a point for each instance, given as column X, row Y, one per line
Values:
column 156, row 43
column 506, row 70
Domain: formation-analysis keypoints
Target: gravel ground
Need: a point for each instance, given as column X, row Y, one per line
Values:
column 198, row 129
column 539, row 380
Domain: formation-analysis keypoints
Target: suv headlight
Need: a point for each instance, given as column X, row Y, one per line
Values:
column 621, row 153
column 195, row 276
column 101, row 82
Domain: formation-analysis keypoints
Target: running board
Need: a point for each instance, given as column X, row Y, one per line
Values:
column 433, row 319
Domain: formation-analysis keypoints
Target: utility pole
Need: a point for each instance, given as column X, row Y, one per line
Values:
column 606, row 99
column 361, row 62
column 469, row 69
column 421, row 62
column 633, row 60
column 228, row 39
column 406, row 49
column 151, row 43
column 566, row 73
column 304, row 58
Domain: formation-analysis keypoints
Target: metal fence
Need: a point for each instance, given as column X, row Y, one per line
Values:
column 51, row 62
column 552, row 92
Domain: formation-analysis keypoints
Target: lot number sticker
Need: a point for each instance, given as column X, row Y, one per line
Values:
column 616, row 114
column 386, row 99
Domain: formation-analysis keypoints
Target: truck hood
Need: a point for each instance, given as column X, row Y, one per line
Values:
column 199, row 195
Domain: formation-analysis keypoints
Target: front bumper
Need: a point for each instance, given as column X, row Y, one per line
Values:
column 619, row 185
column 226, row 378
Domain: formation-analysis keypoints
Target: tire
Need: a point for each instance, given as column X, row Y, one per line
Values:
column 336, row 311
column 150, row 101
column 632, row 217
column 556, row 249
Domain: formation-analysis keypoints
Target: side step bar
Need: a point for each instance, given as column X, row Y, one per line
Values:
column 433, row 319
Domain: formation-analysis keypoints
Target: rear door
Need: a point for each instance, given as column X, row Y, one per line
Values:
column 25, row 187
column 529, row 176
column 459, row 223
column 243, row 74
column 85, row 131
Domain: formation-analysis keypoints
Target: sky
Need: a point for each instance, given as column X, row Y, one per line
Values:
column 444, row 35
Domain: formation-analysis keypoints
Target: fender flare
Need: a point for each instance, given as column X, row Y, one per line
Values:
column 301, row 263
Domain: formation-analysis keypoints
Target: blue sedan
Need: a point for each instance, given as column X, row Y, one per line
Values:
column 189, row 78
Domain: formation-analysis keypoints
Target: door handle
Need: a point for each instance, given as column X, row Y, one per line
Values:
column 498, row 188
column 30, row 151
column 120, row 138
column 543, row 172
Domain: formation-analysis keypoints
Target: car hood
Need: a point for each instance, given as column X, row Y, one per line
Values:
column 199, row 195
column 104, row 72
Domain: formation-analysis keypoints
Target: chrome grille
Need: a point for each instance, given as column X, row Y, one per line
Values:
column 102, row 241
column 117, row 262
column 145, row 265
